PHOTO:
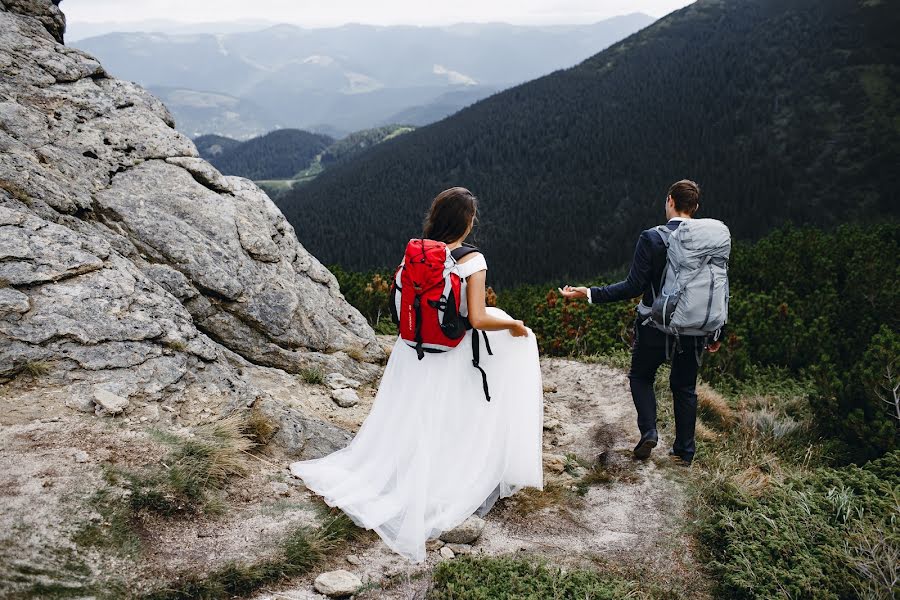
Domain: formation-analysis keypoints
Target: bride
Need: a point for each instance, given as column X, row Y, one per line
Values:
column 432, row 451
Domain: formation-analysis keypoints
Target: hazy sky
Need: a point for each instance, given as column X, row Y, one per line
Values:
column 318, row 13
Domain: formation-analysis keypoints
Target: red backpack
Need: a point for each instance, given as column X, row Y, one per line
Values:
column 425, row 301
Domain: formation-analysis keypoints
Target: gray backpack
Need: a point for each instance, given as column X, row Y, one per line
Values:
column 692, row 297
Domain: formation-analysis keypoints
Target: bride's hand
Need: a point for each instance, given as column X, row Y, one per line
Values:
column 574, row 292
column 518, row 329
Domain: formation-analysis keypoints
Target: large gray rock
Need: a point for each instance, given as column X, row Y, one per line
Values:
column 128, row 264
column 47, row 13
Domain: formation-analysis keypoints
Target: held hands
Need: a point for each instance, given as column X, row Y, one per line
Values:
column 574, row 292
column 518, row 329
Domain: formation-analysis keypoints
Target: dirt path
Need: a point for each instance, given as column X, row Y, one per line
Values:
column 632, row 522
column 598, row 508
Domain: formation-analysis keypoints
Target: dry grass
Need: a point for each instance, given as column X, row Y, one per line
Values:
column 36, row 368
column 357, row 353
column 713, row 408
column 530, row 501
column 704, row 433
column 194, row 466
column 606, row 470
column 15, row 191
column 177, row 345
column 260, row 427
column 224, row 444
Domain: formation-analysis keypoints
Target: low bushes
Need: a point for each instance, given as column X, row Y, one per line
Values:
column 470, row 578
column 823, row 534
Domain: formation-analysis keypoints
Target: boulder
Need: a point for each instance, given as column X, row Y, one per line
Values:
column 345, row 397
column 336, row 584
column 133, row 266
column 466, row 532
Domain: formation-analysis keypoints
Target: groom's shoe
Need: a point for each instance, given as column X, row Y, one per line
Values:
column 646, row 445
column 684, row 460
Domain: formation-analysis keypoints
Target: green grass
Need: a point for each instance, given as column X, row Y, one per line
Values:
column 617, row 359
column 63, row 573
column 194, row 467
column 299, row 552
column 312, row 375
column 183, row 482
column 117, row 529
column 472, row 578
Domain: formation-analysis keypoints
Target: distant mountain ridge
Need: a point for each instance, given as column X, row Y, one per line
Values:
column 783, row 111
column 277, row 155
column 280, row 159
column 347, row 78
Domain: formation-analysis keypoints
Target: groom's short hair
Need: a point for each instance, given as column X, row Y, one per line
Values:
column 686, row 195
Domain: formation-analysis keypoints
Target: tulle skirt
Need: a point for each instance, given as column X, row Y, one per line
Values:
column 433, row 451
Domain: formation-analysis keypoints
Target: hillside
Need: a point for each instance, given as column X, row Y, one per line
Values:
column 279, row 154
column 783, row 111
column 346, row 78
column 211, row 146
column 281, row 159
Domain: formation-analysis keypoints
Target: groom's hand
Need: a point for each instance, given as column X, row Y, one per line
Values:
column 574, row 292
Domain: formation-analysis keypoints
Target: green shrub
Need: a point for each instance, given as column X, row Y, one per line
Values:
column 471, row 578
column 805, row 537
column 806, row 304
column 570, row 328
column 873, row 409
column 367, row 292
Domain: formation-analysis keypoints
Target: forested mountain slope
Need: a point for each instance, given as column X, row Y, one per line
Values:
column 279, row 154
column 782, row 110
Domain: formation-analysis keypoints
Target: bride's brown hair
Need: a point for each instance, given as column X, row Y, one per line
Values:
column 450, row 214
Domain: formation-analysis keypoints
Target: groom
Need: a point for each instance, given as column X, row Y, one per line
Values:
column 651, row 344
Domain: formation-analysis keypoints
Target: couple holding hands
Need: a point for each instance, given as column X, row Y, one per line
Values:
column 457, row 420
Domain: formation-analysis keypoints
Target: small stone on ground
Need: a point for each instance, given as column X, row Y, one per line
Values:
column 336, row 584
column 466, row 532
column 345, row 397
column 108, row 403
column 336, row 381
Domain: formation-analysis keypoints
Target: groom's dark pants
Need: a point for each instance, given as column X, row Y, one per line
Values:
column 648, row 353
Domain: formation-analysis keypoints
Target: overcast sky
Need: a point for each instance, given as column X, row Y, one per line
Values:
column 319, row 13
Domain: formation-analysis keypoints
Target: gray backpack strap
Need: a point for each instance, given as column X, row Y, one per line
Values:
column 665, row 233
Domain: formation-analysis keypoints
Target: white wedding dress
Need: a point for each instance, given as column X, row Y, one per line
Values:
column 433, row 451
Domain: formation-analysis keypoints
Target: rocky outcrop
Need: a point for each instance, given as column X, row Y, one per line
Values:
column 131, row 267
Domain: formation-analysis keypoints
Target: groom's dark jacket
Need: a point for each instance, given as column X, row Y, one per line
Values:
column 643, row 278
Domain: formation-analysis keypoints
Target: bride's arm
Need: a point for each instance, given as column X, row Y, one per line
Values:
column 478, row 315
